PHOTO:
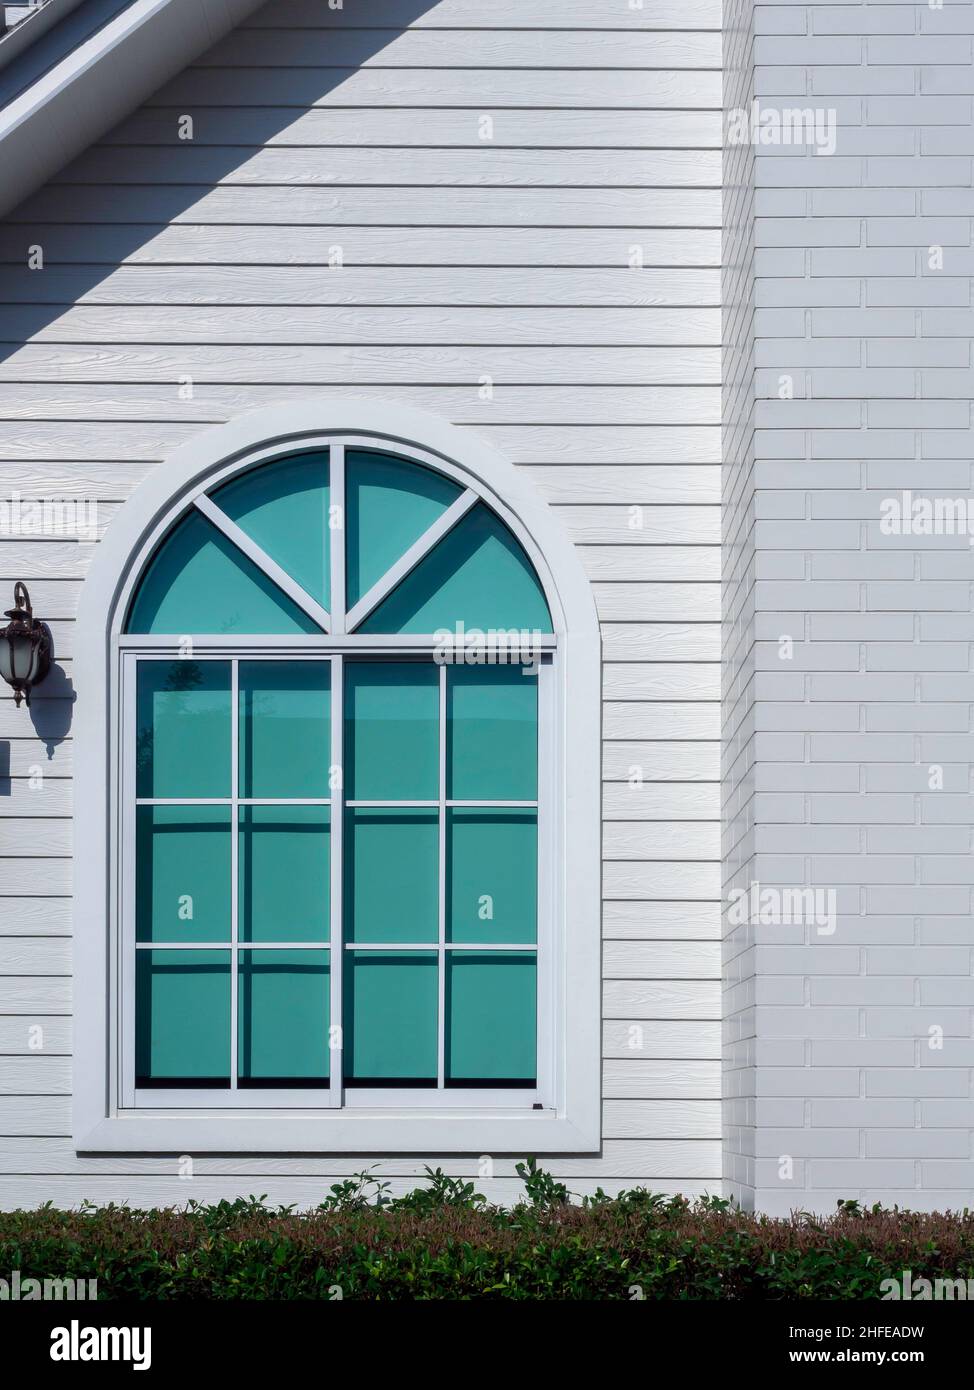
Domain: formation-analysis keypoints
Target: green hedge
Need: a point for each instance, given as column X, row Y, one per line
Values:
column 444, row 1241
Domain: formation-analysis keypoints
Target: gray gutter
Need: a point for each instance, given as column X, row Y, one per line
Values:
column 72, row 92
column 31, row 28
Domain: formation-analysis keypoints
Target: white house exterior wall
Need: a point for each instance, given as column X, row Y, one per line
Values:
column 554, row 290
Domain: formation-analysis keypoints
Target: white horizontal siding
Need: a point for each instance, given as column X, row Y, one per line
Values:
column 464, row 261
column 499, row 14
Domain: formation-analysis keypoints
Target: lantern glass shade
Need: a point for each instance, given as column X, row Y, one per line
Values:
column 25, row 647
column 20, row 658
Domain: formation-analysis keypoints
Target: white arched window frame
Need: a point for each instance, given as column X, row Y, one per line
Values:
column 563, row 1115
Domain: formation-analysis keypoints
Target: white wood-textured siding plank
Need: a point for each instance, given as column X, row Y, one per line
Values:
column 661, row 921
column 654, row 801
column 661, row 960
column 23, row 877
column 636, row 879
column 622, row 563
column 661, row 641
column 670, row 840
column 664, row 1158
column 331, row 128
column 652, row 1080
column 26, row 1036
column 485, row 88
column 499, row 14
column 452, row 49
column 662, row 999
column 34, row 994
column 566, row 405
column 659, row 761
column 367, row 365
column 660, row 484
column 370, row 326
column 529, row 444
column 35, row 955
column 659, row 680
column 35, row 837
column 410, row 207
column 25, row 796
column 35, row 916
column 658, row 1119
column 35, row 1075
column 318, row 167
column 301, row 1192
column 32, row 1116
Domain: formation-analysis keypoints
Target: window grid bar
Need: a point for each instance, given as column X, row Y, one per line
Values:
column 207, row 646
column 336, row 1038
column 259, row 557
column 327, row 801
column 390, row 946
column 441, row 953
column 227, row 801
column 336, row 535
column 412, row 557
column 234, row 862
column 432, row 946
column 233, row 945
column 448, row 802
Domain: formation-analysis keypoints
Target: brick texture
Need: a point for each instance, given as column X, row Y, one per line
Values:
column 848, row 695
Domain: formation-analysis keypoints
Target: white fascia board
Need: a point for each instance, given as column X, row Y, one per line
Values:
column 74, row 102
column 31, row 28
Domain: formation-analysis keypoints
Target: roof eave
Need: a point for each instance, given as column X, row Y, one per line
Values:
column 72, row 103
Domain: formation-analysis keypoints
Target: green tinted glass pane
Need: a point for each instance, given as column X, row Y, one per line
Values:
column 478, row 575
column 492, row 876
column 284, row 873
column 182, row 1018
column 391, row 731
column 389, row 504
column 283, row 1018
column 183, row 742
column 390, row 1032
column 391, row 875
column 283, row 506
column 182, row 876
column 491, row 1018
column 492, row 733
column 285, row 730
column 197, row 581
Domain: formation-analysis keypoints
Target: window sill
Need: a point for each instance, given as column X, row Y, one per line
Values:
column 361, row 1132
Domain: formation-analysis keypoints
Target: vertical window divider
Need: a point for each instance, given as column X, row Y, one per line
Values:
column 126, row 948
column 336, row 1039
column 547, row 833
column 234, row 863
column 441, row 933
column 336, row 536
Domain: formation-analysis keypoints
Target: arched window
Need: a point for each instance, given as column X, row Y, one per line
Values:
column 339, row 880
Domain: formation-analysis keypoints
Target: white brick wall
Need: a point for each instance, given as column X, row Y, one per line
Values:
column 850, row 305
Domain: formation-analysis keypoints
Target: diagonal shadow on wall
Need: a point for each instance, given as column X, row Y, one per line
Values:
column 117, row 198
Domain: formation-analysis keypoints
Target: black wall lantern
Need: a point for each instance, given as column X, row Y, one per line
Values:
column 25, row 647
